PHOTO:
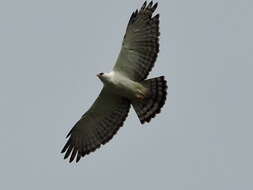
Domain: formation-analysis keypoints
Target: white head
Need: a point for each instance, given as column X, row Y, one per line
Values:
column 105, row 77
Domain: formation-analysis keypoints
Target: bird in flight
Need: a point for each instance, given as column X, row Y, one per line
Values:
column 125, row 85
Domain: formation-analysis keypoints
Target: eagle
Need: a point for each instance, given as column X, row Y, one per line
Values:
column 125, row 85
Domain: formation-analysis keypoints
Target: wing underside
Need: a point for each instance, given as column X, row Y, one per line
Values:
column 140, row 45
column 97, row 126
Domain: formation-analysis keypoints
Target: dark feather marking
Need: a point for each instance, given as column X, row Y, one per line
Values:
column 152, row 105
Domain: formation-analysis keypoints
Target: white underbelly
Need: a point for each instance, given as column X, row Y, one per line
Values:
column 126, row 87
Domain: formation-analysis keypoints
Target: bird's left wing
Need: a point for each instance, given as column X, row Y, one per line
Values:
column 97, row 126
column 140, row 44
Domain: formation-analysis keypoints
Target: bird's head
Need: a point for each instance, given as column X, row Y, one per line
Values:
column 104, row 77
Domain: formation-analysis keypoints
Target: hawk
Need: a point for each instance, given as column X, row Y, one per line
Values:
column 125, row 85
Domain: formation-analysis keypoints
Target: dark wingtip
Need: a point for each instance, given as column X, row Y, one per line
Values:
column 63, row 150
column 150, row 4
column 68, row 151
column 65, row 146
column 144, row 5
column 73, row 155
column 154, row 6
column 69, row 133
column 78, row 157
column 157, row 16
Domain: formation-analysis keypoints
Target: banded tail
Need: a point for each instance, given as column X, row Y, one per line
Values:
column 147, row 108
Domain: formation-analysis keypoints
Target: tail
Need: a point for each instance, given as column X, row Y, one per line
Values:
column 147, row 108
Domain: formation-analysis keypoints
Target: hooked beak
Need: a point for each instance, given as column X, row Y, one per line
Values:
column 99, row 75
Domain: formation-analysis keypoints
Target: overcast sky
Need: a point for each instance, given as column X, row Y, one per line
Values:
column 50, row 52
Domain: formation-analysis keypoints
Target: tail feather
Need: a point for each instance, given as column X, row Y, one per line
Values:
column 147, row 108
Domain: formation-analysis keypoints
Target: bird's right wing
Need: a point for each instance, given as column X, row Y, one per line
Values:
column 97, row 126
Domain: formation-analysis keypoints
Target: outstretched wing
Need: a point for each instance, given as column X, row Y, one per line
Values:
column 140, row 44
column 97, row 126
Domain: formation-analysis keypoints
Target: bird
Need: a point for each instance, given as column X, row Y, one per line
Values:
column 125, row 85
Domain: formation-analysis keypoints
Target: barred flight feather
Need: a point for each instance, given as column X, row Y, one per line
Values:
column 151, row 105
column 140, row 45
column 91, row 131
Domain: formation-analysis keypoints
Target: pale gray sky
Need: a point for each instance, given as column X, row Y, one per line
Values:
column 50, row 52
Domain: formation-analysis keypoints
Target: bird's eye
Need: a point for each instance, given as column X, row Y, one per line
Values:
column 101, row 74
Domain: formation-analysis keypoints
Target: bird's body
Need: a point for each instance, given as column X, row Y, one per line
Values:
column 124, row 86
